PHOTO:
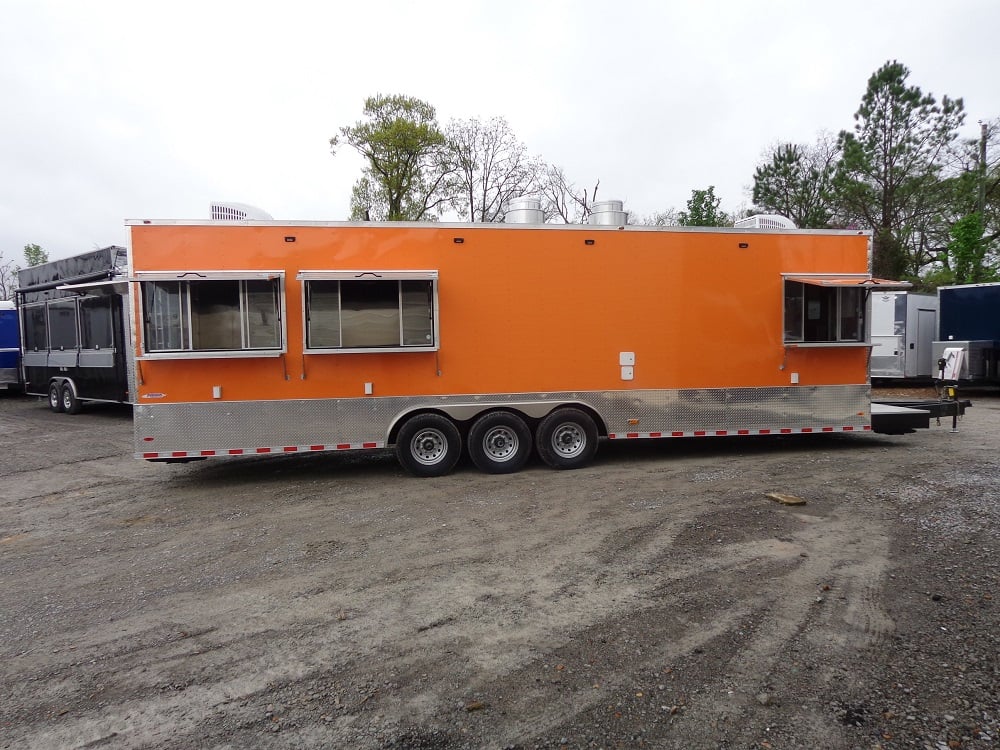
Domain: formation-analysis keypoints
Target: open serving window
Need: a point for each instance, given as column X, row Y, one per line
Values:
column 370, row 311
column 829, row 309
column 189, row 314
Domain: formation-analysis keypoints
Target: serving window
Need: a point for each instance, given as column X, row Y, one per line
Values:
column 825, row 310
column 215, row 314
column 362, row 311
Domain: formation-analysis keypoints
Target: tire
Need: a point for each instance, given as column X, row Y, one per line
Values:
column 566, row 439
column 70, row 403
column 499, row 443
column 55, row 396
column 428, row 445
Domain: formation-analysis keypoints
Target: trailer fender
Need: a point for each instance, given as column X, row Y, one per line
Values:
column 464, row 413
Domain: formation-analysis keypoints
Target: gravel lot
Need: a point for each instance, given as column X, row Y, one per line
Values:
column 657, row 598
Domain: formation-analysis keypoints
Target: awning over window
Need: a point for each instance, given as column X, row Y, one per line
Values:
column 97, row 288
column 847, row 281
column 359, row 275
column 206, row 275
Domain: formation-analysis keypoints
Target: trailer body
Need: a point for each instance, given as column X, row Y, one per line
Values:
column 266, row 337
column 10, row 346
column 969, row 319
column 903, row 329
column 75, row 336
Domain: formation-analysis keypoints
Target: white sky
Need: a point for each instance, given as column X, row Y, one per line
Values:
column 114, row 110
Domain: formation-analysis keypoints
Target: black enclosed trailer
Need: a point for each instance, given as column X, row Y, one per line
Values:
column 75, row 336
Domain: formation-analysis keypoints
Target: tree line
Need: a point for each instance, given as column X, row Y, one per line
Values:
column 33, row 255
column 930, row 198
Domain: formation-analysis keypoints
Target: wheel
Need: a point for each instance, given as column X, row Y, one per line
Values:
column 428, row 445
column 55, row 396
column 499, row 443
column 70, row 403
column 567, row 439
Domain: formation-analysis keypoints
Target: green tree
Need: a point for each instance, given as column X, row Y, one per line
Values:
column 34, row 255
column 796, row 181
column 703, row 210
column 403, row 145
column 889, row 178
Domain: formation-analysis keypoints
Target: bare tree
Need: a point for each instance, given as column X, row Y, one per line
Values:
column 8, row 278
column 490, row 166
column 562, row 200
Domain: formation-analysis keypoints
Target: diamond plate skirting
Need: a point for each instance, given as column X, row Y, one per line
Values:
column 220, row 427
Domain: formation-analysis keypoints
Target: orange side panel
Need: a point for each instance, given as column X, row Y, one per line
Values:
column 523, row 309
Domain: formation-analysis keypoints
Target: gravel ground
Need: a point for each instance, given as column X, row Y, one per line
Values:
column 658, row 598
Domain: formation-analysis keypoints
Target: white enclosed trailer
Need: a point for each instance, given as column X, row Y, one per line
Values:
column 904, row 326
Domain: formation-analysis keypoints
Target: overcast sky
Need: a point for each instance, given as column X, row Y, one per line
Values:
column 129, row 110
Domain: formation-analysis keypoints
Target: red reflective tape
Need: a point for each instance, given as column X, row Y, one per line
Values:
column 632, row 434
column 290, row 449
column 655, row 434
column 178, row 454
column 235, row 452
column 785, row 430
column 699, row 433
column 369, row 445
column 150, row 455
column 867, row 427
column 343, row 446
column 743, row 432
column 763, row 432
column 147, row 440
column 677, row 434
column 807, row 429
column 720, row 433
column 827, row 429
column 208, row 453
column 262, row 450
column 847, row 429
column 316, row 447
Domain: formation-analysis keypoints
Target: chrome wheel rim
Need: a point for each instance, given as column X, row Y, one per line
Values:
column 569, row 440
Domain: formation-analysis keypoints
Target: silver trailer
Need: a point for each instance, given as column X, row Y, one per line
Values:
column 903, row 326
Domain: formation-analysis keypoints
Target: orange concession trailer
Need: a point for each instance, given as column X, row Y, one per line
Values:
column 260, row 337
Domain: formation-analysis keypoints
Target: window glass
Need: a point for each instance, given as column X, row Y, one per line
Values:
column 793, row 310
column 370, row 314
column 215, row 315
column 211, row 315
column 36, row 337
column 165, row 312
column 823, row 314
column 324, row 314
column 851, row 315
column 62, row 324
column 417, row 313
column 263, row 327
column 95, row 323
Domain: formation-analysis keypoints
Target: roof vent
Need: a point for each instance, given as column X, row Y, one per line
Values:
column 238, row 212
column 525, row 210
column 765, row 221
column 609, row 213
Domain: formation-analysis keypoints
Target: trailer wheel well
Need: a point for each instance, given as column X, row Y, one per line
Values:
column 464, row 423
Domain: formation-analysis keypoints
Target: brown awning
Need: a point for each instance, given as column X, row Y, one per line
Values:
column 849, row 281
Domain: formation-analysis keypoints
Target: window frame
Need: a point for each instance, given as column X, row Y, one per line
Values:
column 838, row 283
column 398, row 276
column 186, row 326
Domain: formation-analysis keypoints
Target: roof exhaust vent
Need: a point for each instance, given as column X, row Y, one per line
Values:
column 524, row 210
column 608, row 213
column 238, row 212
